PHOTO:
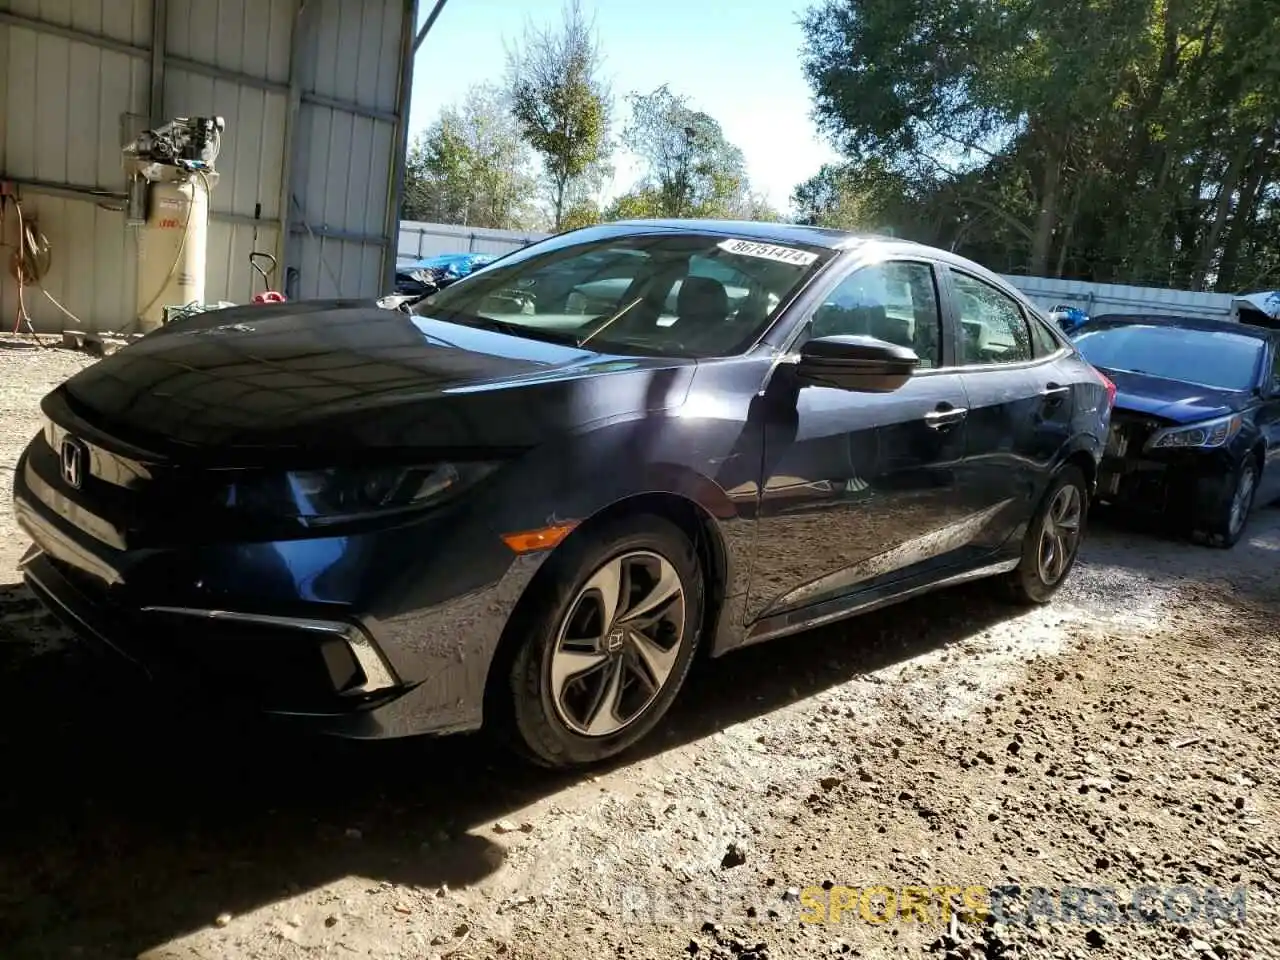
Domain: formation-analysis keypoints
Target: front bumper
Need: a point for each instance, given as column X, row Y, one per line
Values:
column 374, row 635
column 1183, row 484
column 289, row 665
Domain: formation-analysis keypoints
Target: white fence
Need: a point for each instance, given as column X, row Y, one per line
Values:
column 419, row 240
column 1099, row 298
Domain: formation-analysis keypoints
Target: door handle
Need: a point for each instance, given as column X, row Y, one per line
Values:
column 1054, row 391
column 945, row 417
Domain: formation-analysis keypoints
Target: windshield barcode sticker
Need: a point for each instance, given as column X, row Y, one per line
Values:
column 768, row 251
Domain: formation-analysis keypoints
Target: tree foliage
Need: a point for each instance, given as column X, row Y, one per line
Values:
column 691, row 170
column 470, row 166
column 1112, row 140
column 562, row 106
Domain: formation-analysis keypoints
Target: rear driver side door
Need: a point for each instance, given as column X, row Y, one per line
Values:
column 1020, row 405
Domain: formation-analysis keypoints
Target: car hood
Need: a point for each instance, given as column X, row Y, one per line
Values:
column 1173, row 400
column 324, row 375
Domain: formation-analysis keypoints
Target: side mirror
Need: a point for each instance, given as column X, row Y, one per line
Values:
column 859, row 364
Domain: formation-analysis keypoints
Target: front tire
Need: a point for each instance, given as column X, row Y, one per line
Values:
column 1053, row 539
column 1226, row 525
column 609, row 639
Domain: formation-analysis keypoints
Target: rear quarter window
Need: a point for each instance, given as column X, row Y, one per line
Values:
column 1042, row 339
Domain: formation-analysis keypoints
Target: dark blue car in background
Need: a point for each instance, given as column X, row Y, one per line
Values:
column 1195, row 434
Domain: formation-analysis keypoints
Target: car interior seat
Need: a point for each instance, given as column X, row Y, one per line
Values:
column 702, row 303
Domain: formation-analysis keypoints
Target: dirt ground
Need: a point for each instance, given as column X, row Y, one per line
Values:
column 1121, row 741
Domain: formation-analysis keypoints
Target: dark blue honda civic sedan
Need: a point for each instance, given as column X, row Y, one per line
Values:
column 528, row 500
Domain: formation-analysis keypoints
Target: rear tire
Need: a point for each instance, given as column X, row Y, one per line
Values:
column 1052, row 541
column 609, row 636
column 1225, row 526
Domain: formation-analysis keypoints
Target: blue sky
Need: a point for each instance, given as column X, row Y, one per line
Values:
column 738, row 60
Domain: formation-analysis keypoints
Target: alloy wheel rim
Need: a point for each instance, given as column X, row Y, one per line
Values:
column 1243, row 496
column 618, row 644
column 1060, row 534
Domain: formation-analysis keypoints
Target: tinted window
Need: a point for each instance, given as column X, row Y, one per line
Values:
column 897, row 302
column 654, row 294
column 1209, row 358
column 993, row 329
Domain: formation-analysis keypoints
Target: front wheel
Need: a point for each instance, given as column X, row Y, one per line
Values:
column 1053, row 539
column 1225, row 525
column 610, row 639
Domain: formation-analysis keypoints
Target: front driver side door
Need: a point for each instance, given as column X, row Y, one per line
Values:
column 859, row 489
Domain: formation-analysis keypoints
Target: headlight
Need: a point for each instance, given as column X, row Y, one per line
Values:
column 351, row 493
column 1203, row 436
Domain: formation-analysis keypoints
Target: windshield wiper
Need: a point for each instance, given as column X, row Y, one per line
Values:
column 608, row 321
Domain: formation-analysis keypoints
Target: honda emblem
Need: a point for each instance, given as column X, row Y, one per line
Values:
column 72, row 455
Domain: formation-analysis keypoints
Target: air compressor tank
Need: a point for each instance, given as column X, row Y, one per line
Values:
column 172, row 245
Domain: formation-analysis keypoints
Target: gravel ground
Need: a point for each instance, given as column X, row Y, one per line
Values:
column 1125, row 737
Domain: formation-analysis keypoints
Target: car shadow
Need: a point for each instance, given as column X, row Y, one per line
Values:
column 129, row 823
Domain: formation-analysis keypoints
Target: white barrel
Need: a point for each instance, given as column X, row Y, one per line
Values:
column 172, row 245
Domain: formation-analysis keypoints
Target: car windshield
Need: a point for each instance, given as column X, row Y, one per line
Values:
column 1207, row 358
column 653, row 293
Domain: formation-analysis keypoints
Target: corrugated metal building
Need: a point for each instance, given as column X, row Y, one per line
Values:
column 313, row 91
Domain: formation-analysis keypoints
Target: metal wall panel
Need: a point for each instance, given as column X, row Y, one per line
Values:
column 353, row 53
column 249, row 37
column 60, row 122
column 343, row 160
column 61, row 111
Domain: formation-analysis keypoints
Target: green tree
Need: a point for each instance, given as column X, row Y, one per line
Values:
column 562, row 105
column 691, row 168
column 470, row 166
column 1116, row 140
column 642, row 203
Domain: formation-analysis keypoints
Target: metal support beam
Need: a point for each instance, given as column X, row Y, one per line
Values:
column 285, row 244
column 426, row 27
column 112, row 198
column 221, row 73
column 345, row 106
column 159, row 34
column 395, row 184
column 331, row 233
column 67, row 33
column 66, row 191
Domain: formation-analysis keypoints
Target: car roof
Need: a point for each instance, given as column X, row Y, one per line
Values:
column 1184, row 323
column 765, row 231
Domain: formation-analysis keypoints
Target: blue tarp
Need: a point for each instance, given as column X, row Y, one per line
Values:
column 455, row 265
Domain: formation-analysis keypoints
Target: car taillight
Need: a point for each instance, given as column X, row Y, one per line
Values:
column 1108, row 386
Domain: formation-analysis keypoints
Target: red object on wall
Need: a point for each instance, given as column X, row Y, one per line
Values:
column 271, row 296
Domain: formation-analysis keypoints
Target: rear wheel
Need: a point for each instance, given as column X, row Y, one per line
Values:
column 1053, row 539
column 1226, row 524
column 611, row 638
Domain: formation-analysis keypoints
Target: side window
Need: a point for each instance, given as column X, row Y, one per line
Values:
column 993, row 329
column 1044, row 342
column 895, row 301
